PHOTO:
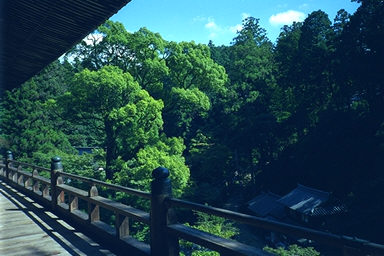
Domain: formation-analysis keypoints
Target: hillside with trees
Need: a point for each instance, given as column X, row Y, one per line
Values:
column 227, row 121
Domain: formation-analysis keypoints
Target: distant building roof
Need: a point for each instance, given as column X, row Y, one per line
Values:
column 304, row 199
column 329, row 210
column 266, row 204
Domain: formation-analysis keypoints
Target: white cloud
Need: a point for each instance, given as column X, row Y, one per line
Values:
column 213, row 29
column 245, row 15
column 286, row 18
column 217, row 31
column 211, row 25
column 236, row 28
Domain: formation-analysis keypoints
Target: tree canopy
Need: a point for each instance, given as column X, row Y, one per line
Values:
column 228, row 121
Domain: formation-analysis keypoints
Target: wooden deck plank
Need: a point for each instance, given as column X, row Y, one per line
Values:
column 21, row 236
column 37, row 242
column 28, row 239
column 29, row 230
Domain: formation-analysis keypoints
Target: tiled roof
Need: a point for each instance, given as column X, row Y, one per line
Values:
column 266, row 204
column 329, row 210
column 304, row 199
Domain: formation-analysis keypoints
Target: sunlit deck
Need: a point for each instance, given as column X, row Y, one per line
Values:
column 26, row 228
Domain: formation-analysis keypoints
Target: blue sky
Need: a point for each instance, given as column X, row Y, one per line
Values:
column 204, row 20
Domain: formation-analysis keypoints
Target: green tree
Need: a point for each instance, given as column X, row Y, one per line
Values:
column 344, row 125
column 193, row 84
column 360, row 54
column 182, row 108
column 27, row 122
column 141, row 54
column 160, row 67
column 220, row 54
column 286, row 53
column 119, row 105
column 312, row 85
column 249, row 130
column 168, row 152
column 131, row 122
column 211, row 224
column 251, row 55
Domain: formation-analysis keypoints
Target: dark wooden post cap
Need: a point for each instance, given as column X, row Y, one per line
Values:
column 56, row 163
column 9, row 155
column 161, row 184
column 160, row 173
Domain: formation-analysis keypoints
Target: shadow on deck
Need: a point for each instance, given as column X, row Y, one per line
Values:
column 27, row 228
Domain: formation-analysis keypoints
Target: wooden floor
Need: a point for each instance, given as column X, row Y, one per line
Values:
column 26, row 228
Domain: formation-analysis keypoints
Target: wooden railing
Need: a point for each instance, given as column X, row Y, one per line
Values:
column 52, row 187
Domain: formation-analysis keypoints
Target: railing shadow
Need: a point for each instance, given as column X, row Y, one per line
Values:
column 68, row 237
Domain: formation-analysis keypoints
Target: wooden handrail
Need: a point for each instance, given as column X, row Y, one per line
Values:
column 115, row 187
column 91, row 181
column 164, row 230
column 33, row 166
column 316, row 235
column 64, row 200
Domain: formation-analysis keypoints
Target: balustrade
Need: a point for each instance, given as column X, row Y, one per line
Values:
column 53, row 187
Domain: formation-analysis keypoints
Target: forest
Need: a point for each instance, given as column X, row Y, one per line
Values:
column 228, row 121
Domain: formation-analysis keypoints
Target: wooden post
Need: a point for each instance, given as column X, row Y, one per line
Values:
column 46, row 191
column 20, row 180
column 28, row 183
column 61, row 195
column 36, row 184
column 74, row 203
column 8, row 158
column 122, row 225
column 15, row 174
column 56, row 166
column 93, row 209
column 161, row 243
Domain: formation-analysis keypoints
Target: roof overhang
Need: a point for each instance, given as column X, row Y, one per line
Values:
column 34, row 33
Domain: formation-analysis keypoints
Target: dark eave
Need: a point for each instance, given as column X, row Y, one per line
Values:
column 37, row 32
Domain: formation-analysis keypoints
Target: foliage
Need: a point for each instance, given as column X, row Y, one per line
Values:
column 131, row 121
column 336, row 117
column 137, row 172
column 181, row 74
column 118, row 103
column 183, row 106
column 28, row 125
column 86, row 165
column 293, row 250
column 142, row 232
column 306, row 107
column 213, row 225
column 241, row 119
column 194, row 83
